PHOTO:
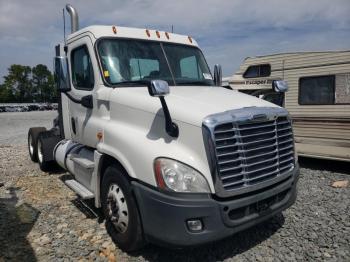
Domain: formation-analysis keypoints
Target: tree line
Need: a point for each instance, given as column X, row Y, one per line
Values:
column 25, row 84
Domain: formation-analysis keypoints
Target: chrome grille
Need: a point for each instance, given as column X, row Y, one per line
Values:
column 250, row 153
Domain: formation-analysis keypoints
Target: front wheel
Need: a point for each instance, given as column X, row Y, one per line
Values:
column 119, row 206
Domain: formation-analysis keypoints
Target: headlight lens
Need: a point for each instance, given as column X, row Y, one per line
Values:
column 173, row 175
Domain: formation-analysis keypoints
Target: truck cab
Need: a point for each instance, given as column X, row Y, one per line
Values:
column 147, row 132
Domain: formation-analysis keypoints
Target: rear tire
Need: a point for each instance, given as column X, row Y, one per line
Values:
column 33, row 134
column 44, row 165
column 123, row 221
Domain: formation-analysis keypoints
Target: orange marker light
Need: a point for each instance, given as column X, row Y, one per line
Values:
column 99, row 135
column 114, row 29
column 148, row 33
column 158, row 34
column 167, row 35
column 190, row 39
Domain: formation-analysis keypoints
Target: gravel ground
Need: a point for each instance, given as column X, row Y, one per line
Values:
column 42, row 220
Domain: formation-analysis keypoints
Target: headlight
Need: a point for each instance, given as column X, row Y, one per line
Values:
column 173, row 175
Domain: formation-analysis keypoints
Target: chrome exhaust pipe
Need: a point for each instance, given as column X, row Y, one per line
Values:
column 74, row 18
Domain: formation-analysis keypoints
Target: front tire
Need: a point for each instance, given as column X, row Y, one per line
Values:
column 33, row 134
column 123, row 221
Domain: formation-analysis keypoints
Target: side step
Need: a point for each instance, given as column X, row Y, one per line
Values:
column 83, row 162
column 78, row 188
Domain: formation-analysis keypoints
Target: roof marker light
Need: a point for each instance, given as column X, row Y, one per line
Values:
column 148, row 33
column 167, row 35
column 158, row 34
column 190, row 39
column 114, row 29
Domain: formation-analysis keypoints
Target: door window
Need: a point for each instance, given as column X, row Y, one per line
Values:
column 82, row 71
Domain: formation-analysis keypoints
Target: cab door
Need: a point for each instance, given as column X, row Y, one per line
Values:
column 83, row 82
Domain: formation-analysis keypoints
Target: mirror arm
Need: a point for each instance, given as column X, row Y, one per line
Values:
column 72, row 98
column 171, row 128
column 85, row 101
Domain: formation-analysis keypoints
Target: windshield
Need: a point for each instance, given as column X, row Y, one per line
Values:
column 131, row 62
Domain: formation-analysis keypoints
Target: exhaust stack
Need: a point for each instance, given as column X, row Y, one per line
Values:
column 74, row 18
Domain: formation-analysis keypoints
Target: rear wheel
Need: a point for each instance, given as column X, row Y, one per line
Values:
column 119, row 206
column 43, row 164
column 33, row 134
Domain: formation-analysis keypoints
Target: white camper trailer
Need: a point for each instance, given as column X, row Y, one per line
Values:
column 318, row 98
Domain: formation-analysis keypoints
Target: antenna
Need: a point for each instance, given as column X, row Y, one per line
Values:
column 64, row 26
column 172, row 28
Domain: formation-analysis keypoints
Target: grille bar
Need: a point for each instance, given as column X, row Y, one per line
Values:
column 248, row 153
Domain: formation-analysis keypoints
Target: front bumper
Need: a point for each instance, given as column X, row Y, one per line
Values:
column 164, row 215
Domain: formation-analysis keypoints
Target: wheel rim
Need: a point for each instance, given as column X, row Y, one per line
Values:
column 30, row 143
column 40, row 153
column 117, row 208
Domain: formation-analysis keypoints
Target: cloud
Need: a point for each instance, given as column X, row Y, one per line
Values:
column 227, row 30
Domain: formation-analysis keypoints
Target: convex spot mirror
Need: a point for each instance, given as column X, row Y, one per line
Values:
column 158, row 88
column 280, row 86
column 61, row 74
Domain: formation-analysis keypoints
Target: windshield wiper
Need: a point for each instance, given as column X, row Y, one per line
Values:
column 202, row 83
column 132, row 82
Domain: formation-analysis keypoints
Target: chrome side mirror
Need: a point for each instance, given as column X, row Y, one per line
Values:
column 279, row 86
column 61, row 74
column 217, row 75
column 158, row 88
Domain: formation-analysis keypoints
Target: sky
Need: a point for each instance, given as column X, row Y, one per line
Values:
column 226, row 30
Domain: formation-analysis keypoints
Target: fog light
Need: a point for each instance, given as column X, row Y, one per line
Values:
column 194, row 225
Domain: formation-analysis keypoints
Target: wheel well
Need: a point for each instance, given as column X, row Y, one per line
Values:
column 106, row 161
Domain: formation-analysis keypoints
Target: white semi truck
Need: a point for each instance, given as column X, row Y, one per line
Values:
column 146, row 131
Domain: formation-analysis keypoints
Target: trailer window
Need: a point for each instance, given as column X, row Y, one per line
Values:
column 257, row 71
column 317, row 90
column 82, row 72
column 342, row 89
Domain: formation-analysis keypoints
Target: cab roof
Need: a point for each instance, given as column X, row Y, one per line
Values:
column 100, row 31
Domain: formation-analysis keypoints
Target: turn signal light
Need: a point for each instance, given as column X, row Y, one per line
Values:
column 159, row 176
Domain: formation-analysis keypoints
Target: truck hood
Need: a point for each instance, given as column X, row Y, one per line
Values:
column 190, row 104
